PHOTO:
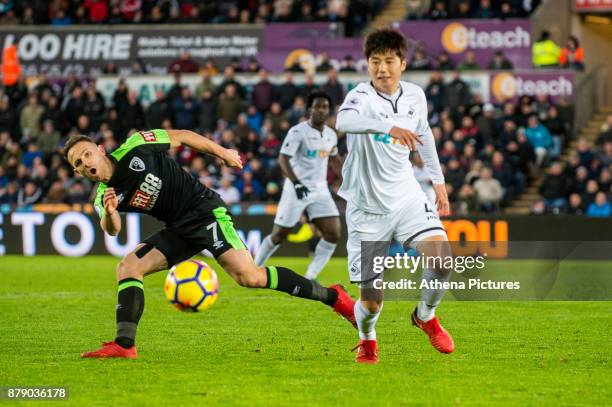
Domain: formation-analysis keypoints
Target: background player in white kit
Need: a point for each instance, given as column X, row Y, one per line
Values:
column 303, row 158
column 384, row 120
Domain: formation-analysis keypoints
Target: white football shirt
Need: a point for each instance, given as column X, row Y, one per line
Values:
column 309, row 150
column 377, row 173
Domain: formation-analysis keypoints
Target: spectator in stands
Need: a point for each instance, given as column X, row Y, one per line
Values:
column 584, row 151
column 230, row 105
column 204, row 85
column 185, row 110
column 485, row 123
column 489, row 191
column 61, row 19
column 539, row 137
column 572, row 55
column 10, row 194
column 605, row 156
column 500, row 62
column 263, row 92
column 7, row 115
column 435, row 91
column 297, row 112
column 333, row 88
column 184, row 64
column 417, row 9
column 208, row 111
column 485, row 11
column 228, row 192
column 539, row 208
column 457, row 94
column 506, row 10
column 463, row 9
column 230, row 79
column 454, row 175
column 554, row 188
column 97, row 9
column 575, row 206
column 49, row 138
column 444, row 62
column 157, row 111
column 28, row 195
column 467, row 200
column 131, row 115
column 604, row 136
column 30, row 118
column 600, row 207
column 419, row 61
column 348, row 64
column 545, row 52
column 323, row 64
column 249, row 188
column 278, row 119
column 438, row 12
column 288, row 91
column 469, row 63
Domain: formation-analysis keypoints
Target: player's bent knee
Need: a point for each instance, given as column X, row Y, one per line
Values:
column 252, row 277
column 372, row 306
column 128, row 269
column 332, row 236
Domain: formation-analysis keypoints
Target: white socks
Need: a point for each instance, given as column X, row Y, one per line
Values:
column 266, row 250
column 366, row 321
column 430, row 298
column 322, row 254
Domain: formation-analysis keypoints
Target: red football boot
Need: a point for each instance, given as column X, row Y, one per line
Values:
column 367, row 351
column 439, row 338
column 345, row 305
column 112, row 350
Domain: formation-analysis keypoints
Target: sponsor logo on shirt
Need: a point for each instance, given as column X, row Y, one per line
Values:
column 312, row 154
column 387, row 139
column 136, row 164
column 148, row 136
column 147, row 194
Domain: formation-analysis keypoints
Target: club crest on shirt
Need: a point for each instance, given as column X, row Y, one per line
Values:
column 354, row 101
column 137, row 164
column 411, row 112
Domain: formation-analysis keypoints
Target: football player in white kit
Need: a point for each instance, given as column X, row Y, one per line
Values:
column 304, row 156
column 384, row 120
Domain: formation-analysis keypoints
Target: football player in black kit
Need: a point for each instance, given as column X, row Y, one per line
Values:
column 140, row 176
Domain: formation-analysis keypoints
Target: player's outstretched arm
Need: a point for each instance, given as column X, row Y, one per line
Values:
column 111, row 221
column 204, row 145
column 350, row 121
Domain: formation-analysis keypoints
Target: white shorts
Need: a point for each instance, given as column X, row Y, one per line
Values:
column 318, row 203
column 412, row 223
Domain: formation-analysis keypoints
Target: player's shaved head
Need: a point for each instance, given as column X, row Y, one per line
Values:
column 384, row 41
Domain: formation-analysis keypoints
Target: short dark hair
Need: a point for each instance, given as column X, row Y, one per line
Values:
column 317, row 95
column 73, row 140
column 385, row 40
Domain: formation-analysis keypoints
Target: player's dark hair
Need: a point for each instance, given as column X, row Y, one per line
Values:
column 317, row 95
column 385, row 40
column 73, row 140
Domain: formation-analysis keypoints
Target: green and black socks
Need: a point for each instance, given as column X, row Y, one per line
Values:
column 288, row 281
column 130, row 304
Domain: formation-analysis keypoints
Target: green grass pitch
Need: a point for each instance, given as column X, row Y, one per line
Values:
column 258, row 347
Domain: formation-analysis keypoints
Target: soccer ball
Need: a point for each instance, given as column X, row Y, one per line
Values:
column 192, row 285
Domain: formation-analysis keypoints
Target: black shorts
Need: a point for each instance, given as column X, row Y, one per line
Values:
column 208, row 226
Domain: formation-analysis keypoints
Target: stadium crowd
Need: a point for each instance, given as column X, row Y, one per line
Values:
column 355, row 13
column 488, row 152
column 582, row 185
